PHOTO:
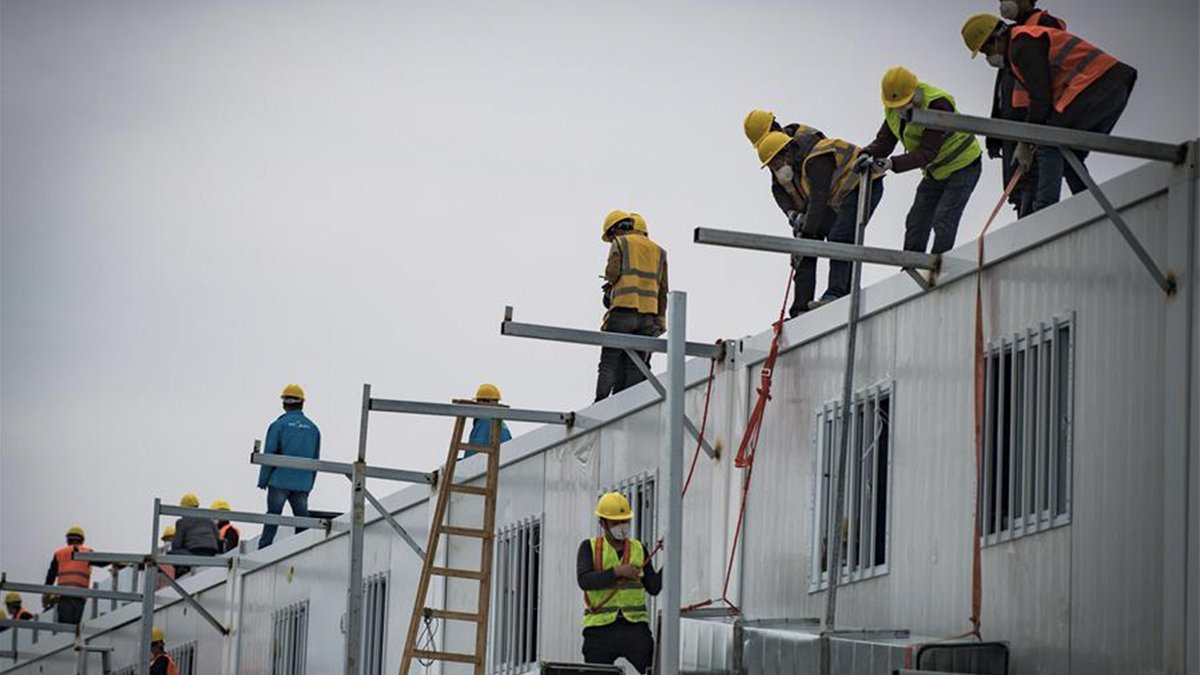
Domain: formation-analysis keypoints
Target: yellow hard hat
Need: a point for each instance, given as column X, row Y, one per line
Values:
column 190, row 501
column 75, row 531
column 12, row 599
column 614, row 506
column 220, row 505
column 487, row 392
column 611, row 219
column 757, row 124
column 770, row 145
column 639, row 223
column 157, row 635
column 977, row 30
column 898, row 86
column 293, row 390
column 168, row 532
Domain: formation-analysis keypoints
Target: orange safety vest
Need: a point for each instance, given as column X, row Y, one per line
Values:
column 76, row 573
column 1075, row 64
column 172, row 669
column 227, row 527
column 21, row 614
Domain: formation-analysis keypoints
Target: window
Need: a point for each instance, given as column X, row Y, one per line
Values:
column 516, row 596
column 1026, row 469
column 185, row 658
column 866, row 482
column 375, row 594
column 289, row 641
column 641, row 493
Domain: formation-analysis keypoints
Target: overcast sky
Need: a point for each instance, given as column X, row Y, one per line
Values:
column 202, row 201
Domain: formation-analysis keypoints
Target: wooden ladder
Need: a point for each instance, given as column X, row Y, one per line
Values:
column 483, row 575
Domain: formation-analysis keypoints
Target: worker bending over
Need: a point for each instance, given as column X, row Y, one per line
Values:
column 481, row 429
column 294, row 435
column 66, row 571
column 161, row 663
column 615, row 574
column 635, row 293
column 949, row 162
column 1065, row 81
column 821, row 172
column 16, row 610
column 193, row 535
column 228, row 535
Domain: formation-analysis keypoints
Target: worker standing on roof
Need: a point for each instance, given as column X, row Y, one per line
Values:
column 193, row 535
column 1023, row 13
column 1065, row 82
column 16, row 612
column 481, row 429
column 294, row 435
column 950, row 162
column 66, row 571
column 822, row 172
column 161, row 663
column 228, row 535
column 615, row 573
column 635, row 293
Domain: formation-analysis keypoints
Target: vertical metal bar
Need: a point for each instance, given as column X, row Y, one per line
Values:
column 1001, row 453
column 1014, row 443
column 149, row 577
column 354, row 600
column 1055, row 423
column 677, row 333
column 877, row 428
column 989, row 443
column 1040, row 407
column 1027, row 435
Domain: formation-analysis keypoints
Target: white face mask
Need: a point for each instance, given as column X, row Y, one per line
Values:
column 1009, row 9
column 995, row 60
column 785, row 173
column 619, row 531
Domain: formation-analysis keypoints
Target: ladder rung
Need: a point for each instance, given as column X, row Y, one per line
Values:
column 465, row 532
column 444, row 656
column 475, row 448
column 469, row 489
column 452, row 572
column 453, row 616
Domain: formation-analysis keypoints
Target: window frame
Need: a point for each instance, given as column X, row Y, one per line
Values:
column 290, row 634
column 375, row 622
column 516, row 602
column 185, row 657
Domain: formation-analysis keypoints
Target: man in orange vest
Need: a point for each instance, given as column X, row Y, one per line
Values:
column 16, row 611
column 228, row 535
column 64, row 571
column 1065, row 82
column 161, row 663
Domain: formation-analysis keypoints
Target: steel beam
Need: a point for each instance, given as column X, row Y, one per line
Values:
column 149, row 586
column 354, row 589
column 603, row 339
column 195, row 604
column 817, row 249
column 32, row 624
column 673, row 585
column 70, row 591
column 344, row 468
column 483, row 412
column 662, row 391
column 247, row 517
column 387, row 515
column 1041, row 134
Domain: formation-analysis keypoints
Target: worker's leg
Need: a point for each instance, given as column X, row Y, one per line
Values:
column 955, row 195
column 610, row 372
column 631, row 374
column 804, row 271
column 1100, row 119
column 1049, row 162
column 844, row 232
column 600, row 646
column 639, row 646
column 919, row 222
column 299, row 503
column 70, row 610
column 276, row 498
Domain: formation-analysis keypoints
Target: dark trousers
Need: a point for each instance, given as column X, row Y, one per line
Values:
column 1100, row 117
column 275, row 501
column 938, row 207
column 616, row 371
column 842, row 231
column 605, row 644
column 69, row 610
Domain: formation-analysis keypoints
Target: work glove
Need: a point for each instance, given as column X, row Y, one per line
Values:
column 49, row 600
column 1024, row 155
column 660, row 326
column 796, row 220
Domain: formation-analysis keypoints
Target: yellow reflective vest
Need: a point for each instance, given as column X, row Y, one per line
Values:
column 845, row 179
column 642, row 263
column 627, row 598
column 958, row 149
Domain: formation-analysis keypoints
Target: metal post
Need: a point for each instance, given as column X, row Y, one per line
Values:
column 354, row 601
column 676, row 336
column 148, row 582
column 834, row 526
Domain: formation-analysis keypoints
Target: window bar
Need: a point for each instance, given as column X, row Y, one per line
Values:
column 1068, row 423
column 852, row 489
column 1003, row 451
column 989, row 418
column 1014, row 445
column 872, row 553
column 1039, row 406
column 868, row 485
column 535, row 597
column 1027, row 433
column 1055, row 422
column 520, row 605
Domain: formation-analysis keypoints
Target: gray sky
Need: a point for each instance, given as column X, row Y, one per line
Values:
column 203, row 201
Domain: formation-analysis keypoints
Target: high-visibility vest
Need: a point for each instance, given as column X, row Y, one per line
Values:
column 227, row 527
column 76, row 573
column 1020, row 97
column 21, row 614
column 642, row 264
column 627, row 597
column 1075, row 64
column 845, row 178
column 958, row 149
column 172, row 669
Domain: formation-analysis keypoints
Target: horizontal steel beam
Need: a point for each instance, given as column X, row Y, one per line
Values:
column 50, row 626
column 247, row 517
column 1040, row 134
column 603, row 339
column 483, row 412
column 71, row 591
column 193, row 560
column 344, row 468
column 817, row 249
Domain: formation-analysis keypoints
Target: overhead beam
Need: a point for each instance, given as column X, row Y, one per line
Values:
column 817, row 249
column 71, row 591
column 343, row 468
column 640, row 343
column 247, row 517
column 468, row 410
column 31, row 624
column 1040, row 134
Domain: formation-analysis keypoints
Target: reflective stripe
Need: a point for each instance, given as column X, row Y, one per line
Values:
column 964, row 144
column 1084, row 63
column 1062, row 53
column 74, row 573
column 614, row 608
column 634, row 291
column 642, row 264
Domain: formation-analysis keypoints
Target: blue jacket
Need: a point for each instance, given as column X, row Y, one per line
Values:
column 481, row 434
column 293, row 435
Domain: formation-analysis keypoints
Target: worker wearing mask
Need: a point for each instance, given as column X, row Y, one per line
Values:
column 822, row 172
column 949, row 162
column 66, row 571
column 161, row 663
column 1023, row 13
column 615, row 574
column 635, row 293
column 228, row 535
column 1065, row 81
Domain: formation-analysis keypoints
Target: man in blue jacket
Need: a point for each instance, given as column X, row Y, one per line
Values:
column 481, row 429
column 294, row 435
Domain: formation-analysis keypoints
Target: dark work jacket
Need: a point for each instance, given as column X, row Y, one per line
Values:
column 195, row 535
column 1002, row 107
column 1032, row 57
column 591, row 580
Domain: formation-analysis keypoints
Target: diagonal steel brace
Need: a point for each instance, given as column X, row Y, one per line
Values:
column 412, row 543
column 662, row 392
column 189, row 599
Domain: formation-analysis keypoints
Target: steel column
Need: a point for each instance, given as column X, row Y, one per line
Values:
column 676, row 336
column 818, row 249
column 148, row 586
column 354, row 601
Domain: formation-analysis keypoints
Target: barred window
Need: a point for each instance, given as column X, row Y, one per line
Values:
column 185, row 658
column 289, row 639
column 516, row 596
column 866, row 522
column 375, row 597
column 1026, row 470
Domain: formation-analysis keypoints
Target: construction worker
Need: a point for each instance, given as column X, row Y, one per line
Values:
column 193, row 535
column 822, row 172
column 635, row 293
column 481, row 429
column 292, row 434
column 1025, row 13
column 949, row 162
column 228, row 535
column 161, row 663
column 168, row 534
column 65, row 571
column 615, row 574
column 13, row 603
column 1065, row 82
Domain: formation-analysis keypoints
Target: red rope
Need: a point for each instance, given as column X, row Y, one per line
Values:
column 703, row 425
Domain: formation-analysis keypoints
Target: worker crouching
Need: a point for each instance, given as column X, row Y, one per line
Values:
column 615, row 574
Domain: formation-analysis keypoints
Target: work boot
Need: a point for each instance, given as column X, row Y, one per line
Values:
column 822, row 301
column 796, row 309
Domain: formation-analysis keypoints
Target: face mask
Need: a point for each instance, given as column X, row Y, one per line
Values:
column 1009, row 9
column 995, row 60
column 619, row 532
column 785, row 174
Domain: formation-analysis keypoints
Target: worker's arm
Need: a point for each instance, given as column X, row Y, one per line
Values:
column 884, row 143
column 612, row 271
column 931, row 144
column 270, row 447
column 820, row 179
column 783, row 199
column 178, row 541
column 52, row 573
column 663, row 292
column 1031, row 57
column 651, row 578
column 589, row 578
